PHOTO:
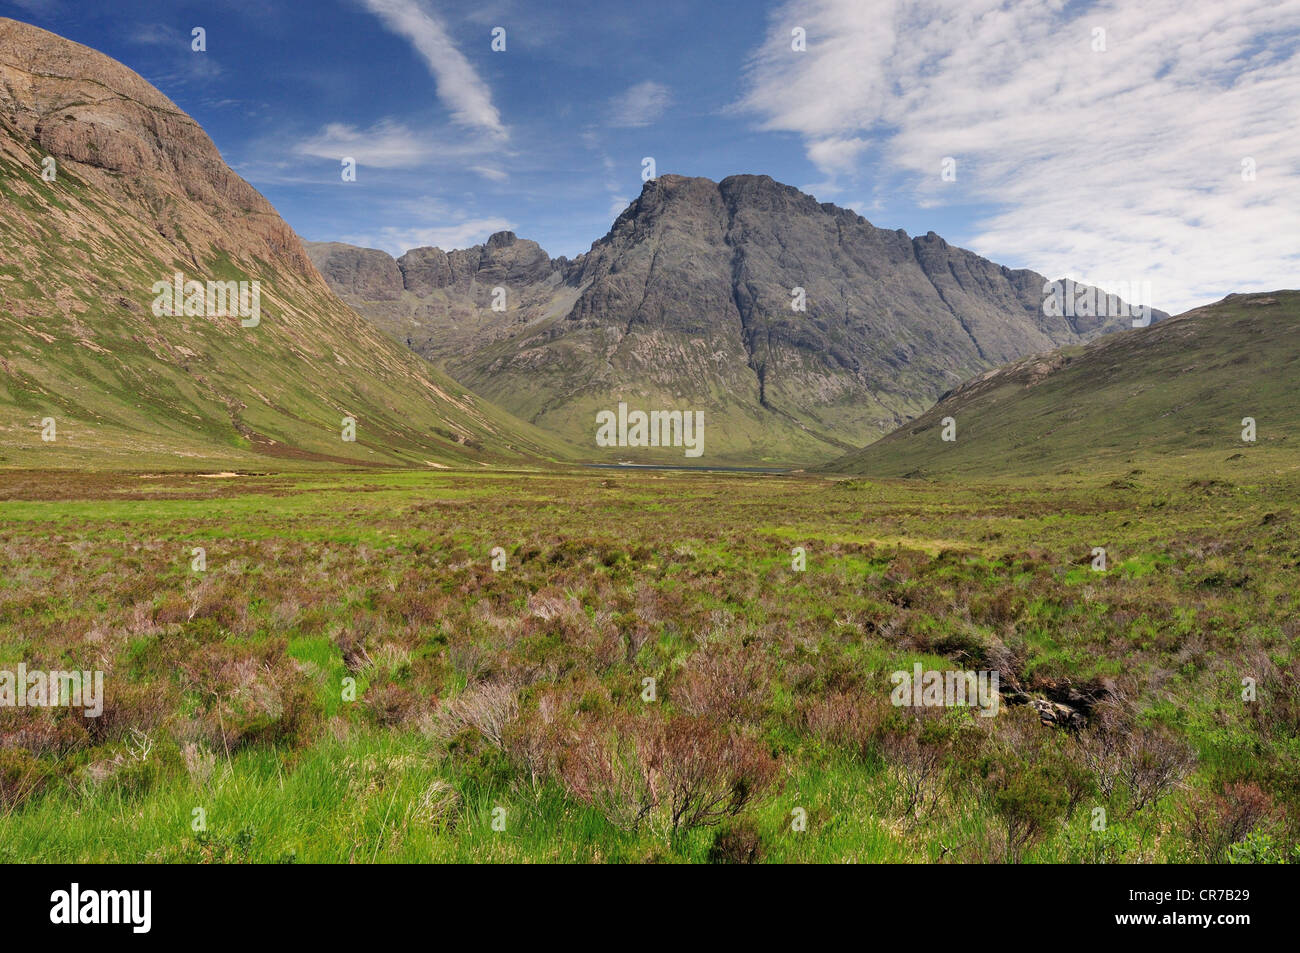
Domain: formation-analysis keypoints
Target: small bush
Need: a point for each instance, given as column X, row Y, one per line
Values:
column 22, row 777
column 736, row 843
column 680, row 774
column 1217, row 822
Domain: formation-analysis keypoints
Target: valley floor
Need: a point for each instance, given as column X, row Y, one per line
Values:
column 343, row 674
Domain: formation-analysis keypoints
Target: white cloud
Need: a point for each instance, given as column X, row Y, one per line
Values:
column 836, row 155
column 385, row 145
column 398, row 240
column 1116, row 165
column 390, row 144
column 490, row 173
column 158, row 34
column 174, row 63
column 459, row 87
column 640, row 105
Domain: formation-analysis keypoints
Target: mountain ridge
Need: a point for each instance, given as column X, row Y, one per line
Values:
column 692, row 265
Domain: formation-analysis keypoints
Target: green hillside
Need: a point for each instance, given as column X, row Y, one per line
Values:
column 1169, row 397
column 139, row 193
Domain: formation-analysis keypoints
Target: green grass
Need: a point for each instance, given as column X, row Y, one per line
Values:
column 129, row 389
column 474, row 690
column 1141, row 405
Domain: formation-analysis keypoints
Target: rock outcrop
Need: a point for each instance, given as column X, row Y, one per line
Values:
column 801, row 329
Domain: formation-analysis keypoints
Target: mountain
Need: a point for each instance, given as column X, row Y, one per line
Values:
column 687, row 303
column 108, row 191
column 1173, row 394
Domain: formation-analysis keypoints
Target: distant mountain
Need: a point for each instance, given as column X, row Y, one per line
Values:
column 1176, row 393
column 108, row 191
column 690, row 303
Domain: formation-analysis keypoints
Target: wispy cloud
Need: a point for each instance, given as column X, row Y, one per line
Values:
column 1123, row 162
column 618, row 200
column 386, row 145
column 618, row 205
column 390, row 144
column 157, row 34
column 178, row 63
column 398, row 240
column 640, row 105
column 459, row 87
column 490, row 173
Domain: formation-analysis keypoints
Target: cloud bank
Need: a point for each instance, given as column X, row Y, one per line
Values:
column 1106, row 141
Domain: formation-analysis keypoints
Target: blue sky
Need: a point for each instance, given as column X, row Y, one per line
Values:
column 1115, row 164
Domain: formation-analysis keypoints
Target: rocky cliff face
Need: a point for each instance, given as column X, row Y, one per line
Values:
column 139, row 193
column 800, row 328
column 503, row 261
column 359, row 272
column 126, row 138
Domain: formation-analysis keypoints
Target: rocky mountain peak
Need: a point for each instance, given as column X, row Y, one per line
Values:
column 81, row 107
column 805, row 328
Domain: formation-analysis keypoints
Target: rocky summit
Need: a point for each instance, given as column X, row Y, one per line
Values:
column 799, row 328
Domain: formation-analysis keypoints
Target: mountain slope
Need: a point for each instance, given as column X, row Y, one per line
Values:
column 1170, row 394
column 687, row 303
column 138, row 194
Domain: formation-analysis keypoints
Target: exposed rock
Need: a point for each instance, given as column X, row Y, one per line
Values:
column 1065, row 705
column 78, row 105
column 139, row 194
column 1058, row 715
column 362, row 272
column 504, row 261
column 687, row 301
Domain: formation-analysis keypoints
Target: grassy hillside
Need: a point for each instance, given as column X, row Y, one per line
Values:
column 1170, row 398
column 140, row 193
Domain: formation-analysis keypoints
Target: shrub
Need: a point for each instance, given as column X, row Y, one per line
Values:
column 1152, row 763
column 848, row 719
column 22, row 777
column 707, row 774
column 724, row 680
column 680, row 774
column 736, row 843
column 388, row 704
column 917, row 757
column 1032, row 781
column 1216, row 822
column 488, row 708
column 1149, row 760
column 1029, row 800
